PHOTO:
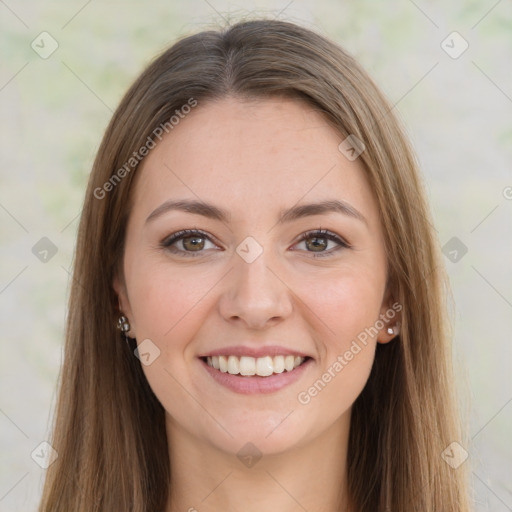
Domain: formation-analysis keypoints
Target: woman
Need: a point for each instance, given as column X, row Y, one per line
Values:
column 256, row 227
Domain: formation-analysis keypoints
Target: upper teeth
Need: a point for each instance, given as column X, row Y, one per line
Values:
column 262, row 366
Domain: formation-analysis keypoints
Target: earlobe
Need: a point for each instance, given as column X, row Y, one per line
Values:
column 125, row 319
column 390, row 318
column 389, row 332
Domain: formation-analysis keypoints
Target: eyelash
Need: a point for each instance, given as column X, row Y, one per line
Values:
column 189, row 233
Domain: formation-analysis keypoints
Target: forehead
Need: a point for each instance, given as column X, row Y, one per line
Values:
column 252, row 156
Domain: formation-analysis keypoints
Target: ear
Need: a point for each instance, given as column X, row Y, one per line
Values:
column 124, row 307
column 390, row 318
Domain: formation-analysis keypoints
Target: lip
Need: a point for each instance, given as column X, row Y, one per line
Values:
column 255, row 384
column 241, row 350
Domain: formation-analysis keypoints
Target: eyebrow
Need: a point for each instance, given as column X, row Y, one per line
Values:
column 296, row 212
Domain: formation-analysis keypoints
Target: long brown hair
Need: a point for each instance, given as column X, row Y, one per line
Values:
column 109, row 427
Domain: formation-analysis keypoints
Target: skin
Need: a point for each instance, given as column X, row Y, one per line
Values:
column 254, row 158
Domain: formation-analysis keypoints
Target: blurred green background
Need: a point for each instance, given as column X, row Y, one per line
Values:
column 54, row 109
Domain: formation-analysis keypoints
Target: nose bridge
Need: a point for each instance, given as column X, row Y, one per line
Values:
column 255, row 293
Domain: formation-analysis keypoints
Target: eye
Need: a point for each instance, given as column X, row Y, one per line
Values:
column 192, row 242
column 320, row 240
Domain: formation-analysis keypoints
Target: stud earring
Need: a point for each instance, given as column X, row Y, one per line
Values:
column 394, row 330
column 123, row 325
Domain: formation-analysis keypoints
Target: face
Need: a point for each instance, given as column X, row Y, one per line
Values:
column 253, row 278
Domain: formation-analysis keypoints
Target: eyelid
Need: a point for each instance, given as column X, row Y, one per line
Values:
column 325, row 233
column 318, row 233
column 329, row 235
column 185, row 233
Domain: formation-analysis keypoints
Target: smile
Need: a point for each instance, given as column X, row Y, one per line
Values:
column 254, row 375
column 261, row 366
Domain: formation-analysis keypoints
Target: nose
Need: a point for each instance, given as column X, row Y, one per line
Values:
column 255, row 294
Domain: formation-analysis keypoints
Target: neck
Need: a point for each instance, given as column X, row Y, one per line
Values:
column 312, row 476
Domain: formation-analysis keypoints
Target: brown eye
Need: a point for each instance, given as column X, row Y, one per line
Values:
column 318, row 241
column 317, row 244
column 193, row 243
column 186, row 242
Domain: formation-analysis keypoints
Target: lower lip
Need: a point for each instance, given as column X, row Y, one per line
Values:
column 255, row 384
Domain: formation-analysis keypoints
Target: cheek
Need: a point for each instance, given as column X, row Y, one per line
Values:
column 345, row 301
column 347, row 305
column 168, row 304
column 347, row 308
column 166, row 298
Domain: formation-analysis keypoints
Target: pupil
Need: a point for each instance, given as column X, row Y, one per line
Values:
column 316, row 244
column 195, row 241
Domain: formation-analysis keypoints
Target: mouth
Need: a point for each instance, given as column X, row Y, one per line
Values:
column 246, row 366
column 252, row 376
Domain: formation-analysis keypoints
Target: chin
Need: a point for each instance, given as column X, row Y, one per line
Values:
column 269, row 435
